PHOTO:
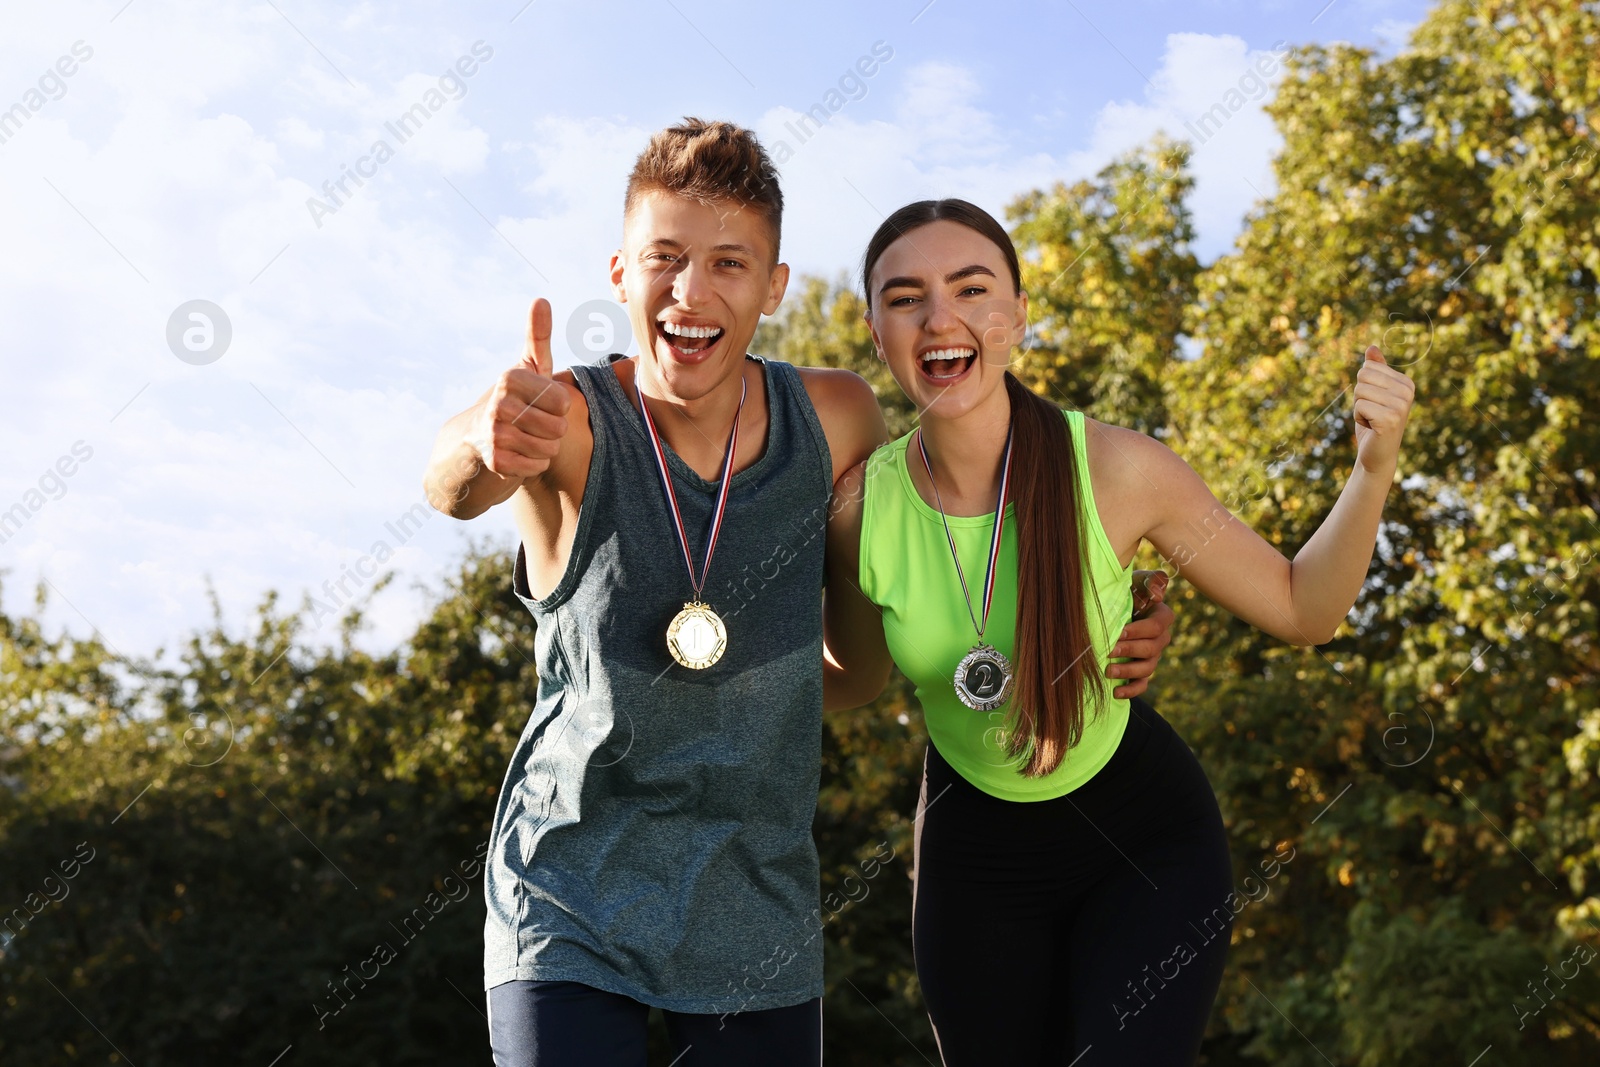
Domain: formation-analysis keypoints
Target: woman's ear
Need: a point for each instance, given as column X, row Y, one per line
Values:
column 877, row 344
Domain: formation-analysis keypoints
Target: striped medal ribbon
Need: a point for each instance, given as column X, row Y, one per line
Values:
column 696, row 637
column 983, row 678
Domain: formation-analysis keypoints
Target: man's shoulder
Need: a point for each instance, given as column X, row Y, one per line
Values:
column 848, row 410
column 837, row 393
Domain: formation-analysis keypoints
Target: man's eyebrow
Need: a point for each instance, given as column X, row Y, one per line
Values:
column 907, row 282
column 667, row 242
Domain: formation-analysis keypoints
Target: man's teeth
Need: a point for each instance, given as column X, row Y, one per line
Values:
column 690, row 331
column 948, row 353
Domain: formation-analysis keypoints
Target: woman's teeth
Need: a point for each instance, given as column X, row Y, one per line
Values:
column 946, row 362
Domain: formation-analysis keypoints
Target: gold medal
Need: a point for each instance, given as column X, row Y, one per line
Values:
column 696, row 636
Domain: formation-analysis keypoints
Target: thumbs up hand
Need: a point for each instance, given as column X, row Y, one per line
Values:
column 518, row 430
column 1383, row 399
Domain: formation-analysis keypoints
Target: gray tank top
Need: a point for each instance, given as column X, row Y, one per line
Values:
column 653, row 835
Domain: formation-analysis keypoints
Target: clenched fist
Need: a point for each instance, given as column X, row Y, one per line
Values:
column 518, row 430
column 1383, row 398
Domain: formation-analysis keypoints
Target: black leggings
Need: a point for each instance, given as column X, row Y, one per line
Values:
column 1085, row 930
column 566, row 1024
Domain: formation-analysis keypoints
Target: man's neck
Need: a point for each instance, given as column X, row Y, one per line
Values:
column 696, row 429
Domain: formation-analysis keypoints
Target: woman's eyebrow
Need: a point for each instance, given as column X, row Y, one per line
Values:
column 967, row 272
column 907, row 282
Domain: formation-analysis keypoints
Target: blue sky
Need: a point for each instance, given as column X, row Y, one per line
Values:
column 184, row 158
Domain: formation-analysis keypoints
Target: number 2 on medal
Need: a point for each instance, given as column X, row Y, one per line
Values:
column 984, row 682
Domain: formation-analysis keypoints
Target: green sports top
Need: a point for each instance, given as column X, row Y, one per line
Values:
column 907, row 571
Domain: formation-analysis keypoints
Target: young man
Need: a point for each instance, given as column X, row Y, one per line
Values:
column 652, row 841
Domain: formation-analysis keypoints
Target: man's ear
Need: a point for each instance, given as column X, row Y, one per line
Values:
column 618, row 289
column 777, row 285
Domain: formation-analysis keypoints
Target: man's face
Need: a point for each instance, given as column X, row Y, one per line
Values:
column 696, row 279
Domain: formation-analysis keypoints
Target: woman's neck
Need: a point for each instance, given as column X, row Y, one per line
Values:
column 966, row 453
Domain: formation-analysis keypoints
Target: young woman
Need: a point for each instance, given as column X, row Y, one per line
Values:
column 1074, row 892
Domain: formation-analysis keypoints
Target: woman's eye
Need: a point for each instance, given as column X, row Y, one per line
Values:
column 900, row 301
column 975, row 289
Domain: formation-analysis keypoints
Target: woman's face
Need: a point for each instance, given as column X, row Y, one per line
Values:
column 944, row 316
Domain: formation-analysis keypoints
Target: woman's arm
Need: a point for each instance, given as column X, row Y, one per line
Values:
column 855, row 665
column 1301, row 602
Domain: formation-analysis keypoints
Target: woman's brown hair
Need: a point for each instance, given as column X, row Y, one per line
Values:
column 1055, row 668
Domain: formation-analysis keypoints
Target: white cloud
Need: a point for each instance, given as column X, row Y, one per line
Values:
column 1209, row 90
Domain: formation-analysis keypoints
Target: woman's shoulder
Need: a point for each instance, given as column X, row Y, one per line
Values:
column 1124, row 460
column 886, row 455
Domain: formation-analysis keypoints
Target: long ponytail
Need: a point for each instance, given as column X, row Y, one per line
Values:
column 1057, row 671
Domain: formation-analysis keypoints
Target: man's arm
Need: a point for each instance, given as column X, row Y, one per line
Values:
column 855, row 660
column 1144, row 640
column 848, row 410
column 482, row 455
column 457, row 481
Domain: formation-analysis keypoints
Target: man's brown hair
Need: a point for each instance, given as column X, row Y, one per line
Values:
column 709, row 162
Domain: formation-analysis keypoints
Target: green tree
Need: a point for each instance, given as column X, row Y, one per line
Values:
column 1434, row 764
column 1108, row 270
column 260, row 819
